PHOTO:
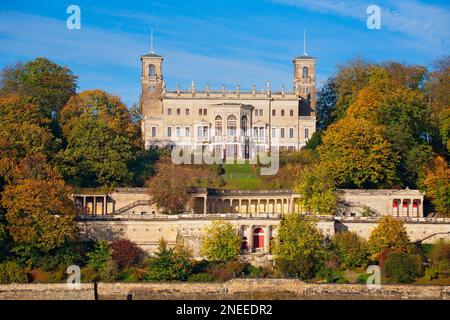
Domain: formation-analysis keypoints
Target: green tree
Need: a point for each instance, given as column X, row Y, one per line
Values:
column 100, row 260
column 400, row 267
column 221, row 242
column 351, row 249
column 101, row 140
column 169, row 264
column 326, row 104
column 316, row 188
column 298, row 247
column 391, row 234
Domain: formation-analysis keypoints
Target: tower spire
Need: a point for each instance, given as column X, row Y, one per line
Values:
column 304, row 43
column 151, row 41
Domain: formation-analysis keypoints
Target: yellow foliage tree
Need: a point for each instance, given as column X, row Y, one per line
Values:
column 389, row 234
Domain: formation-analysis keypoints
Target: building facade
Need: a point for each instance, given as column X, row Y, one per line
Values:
column 233, row 123
column 204, row 201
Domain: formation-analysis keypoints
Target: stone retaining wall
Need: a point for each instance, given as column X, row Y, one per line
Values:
column 239, row 289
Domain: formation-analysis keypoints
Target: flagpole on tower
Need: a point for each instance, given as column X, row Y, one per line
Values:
column 151, row 41
column 304, row 43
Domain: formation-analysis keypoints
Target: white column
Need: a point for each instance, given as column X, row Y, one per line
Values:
column 94, row 209
column 205, row 198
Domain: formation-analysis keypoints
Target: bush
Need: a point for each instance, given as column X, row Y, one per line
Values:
column 125, row 253
column 351, row 249
column 400, row 267
column 200, row 277
column 87, row 274
column 440, row 253
column 10, row 272
column 301, row 267
column 220, row 273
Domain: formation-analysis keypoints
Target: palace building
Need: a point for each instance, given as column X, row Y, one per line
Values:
column 233, row 123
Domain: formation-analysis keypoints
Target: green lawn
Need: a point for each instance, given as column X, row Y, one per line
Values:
column 241, row 176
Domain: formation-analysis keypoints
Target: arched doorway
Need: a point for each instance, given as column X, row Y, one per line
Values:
column 258, row 239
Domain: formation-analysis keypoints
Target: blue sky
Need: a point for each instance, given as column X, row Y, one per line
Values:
column 230, row 42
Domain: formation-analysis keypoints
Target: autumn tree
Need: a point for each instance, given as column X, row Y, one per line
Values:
column 221, row 243
column 435, row 180
column 47, row 84
column 389, row 234
column 169, row 188
column 298, row 247
column 39, row 210
column 351, row 249
column 358, row 155
column 101, row 140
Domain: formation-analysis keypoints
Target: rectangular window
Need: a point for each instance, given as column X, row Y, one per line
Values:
column 255, row 132
column 200, row 112
column 291, row 132
column 169, row 111
column 178, row 111
column 205, row 112
column 282, row 113
column 256, row 112
column 205, row 132
column 178, row 132
column 187, row 112
column 261, row 132
column 306, row 133
column 274, row 113
column 260, row 112
column 169, row 131
column 153, row 131
column 292, row 113
column 199, row 131
column 187, row 132
column 282, row 133
column 274, row 132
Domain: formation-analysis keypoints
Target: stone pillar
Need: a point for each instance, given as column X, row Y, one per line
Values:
column 267, row 239
column 83, row 210
column 105, row 211
column 94, row 205
column 250, row 238
column 231, row 206
column 205, row 203
column 410, row 208
column 420, row 207
column 240, row 206
column 258, row 204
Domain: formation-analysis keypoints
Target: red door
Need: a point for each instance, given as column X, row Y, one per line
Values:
column 258, row 238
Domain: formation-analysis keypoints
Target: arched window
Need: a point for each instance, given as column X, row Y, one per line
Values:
column 218, row 126
column 151, row 71
column 231, row 126
column 305, row 73
column 244, row 125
